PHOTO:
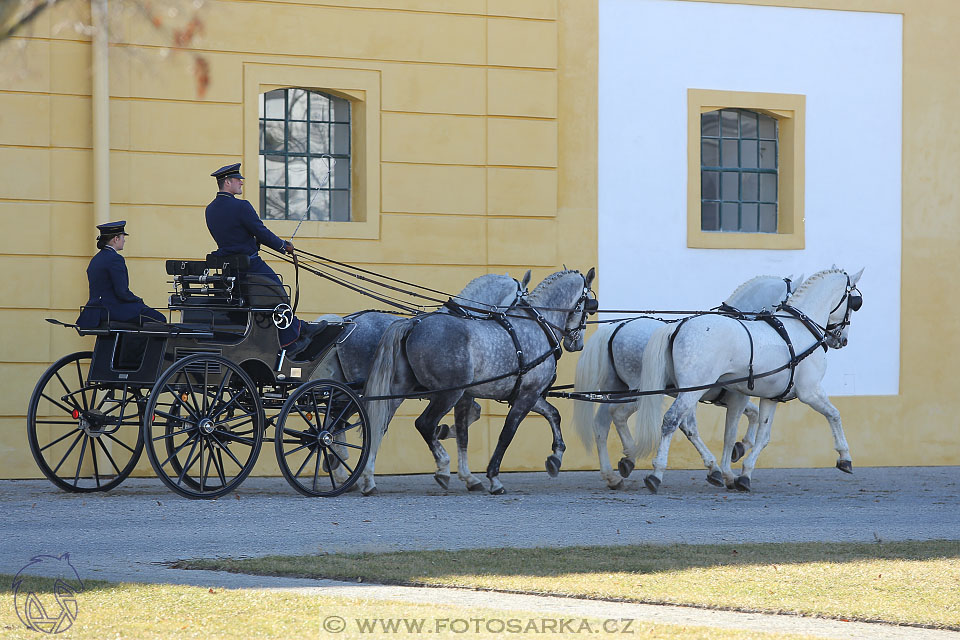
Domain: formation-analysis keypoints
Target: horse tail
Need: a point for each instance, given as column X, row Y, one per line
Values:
column 380, row 381
column 655, row 370
column 594, row 373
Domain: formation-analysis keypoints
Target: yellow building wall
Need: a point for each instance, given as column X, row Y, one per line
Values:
column 486, row 162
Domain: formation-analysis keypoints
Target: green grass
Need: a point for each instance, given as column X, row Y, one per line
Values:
column 914, row 583
column 147, row 612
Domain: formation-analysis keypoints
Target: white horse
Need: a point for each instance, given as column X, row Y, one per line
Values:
column 713, row 348
column 611, row 361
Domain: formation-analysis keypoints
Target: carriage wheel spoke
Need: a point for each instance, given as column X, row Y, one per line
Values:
column 342, row 412
column 83, row 396
column 305, row 418
column 234, row 438
column 347, row 444
column 227, row 449
column 61, row 438
column 305, row 461
column 229, row 403
column 179, row 401
column 203, row 472
column 120, row 442
column 63, row 459
column 316, row 471
column 326, row 460
column 346, row 428
column 190, row 461
column 218, row 463
column 83, row 451
column 179, row 448
column 219, row 395
column 240, row 417
column 109, row 457
column 65, row 409
column 193, row 393
column 293, row 451
column 96, row 467
column 171, row 435
column 342, row 461
column 206, row 398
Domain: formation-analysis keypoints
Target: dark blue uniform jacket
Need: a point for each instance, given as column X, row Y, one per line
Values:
column 236, row 227
column 109, row 292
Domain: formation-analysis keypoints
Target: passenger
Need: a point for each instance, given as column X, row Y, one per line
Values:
column 110, row 295
column 237, row 229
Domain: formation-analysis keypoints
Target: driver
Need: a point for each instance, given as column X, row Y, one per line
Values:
column 110, row 295
column 237, row 229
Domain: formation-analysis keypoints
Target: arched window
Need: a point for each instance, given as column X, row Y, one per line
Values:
column 304, row 155
column 738, row 171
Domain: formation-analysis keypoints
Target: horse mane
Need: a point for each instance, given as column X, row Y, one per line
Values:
column 470, row 291
column 550, row 279
column 750, row 282
column 812, row 280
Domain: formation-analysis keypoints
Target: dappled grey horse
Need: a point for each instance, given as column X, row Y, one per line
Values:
column 711, row 349
column 611, row 361
column 354, row 356
column 457, row 357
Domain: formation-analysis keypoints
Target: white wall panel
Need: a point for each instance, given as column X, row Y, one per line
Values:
column 848, row 64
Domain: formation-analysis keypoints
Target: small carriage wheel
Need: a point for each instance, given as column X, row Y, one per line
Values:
column 203, row 426
column 323, row 438
column 84, row 436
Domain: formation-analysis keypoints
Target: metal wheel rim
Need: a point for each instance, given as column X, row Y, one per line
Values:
column 194, row 450
column 91, row 439
column 316, row 446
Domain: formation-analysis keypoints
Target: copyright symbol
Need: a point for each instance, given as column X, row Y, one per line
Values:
column 334, row 624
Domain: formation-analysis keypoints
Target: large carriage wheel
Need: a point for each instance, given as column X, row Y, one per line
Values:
column 203, row 426
column 84, row 436
column 323, row 438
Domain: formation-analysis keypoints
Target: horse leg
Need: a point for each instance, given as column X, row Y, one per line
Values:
column 767, row 409
column 550, row 412
column 689, row 428
column 817, row 399
column 518, row 411
column 367, row 485
column 466, row 412
column 621, row 414
column 427, row 423
column 681, row 407
column 735, row 406
column 601, row 429
column 753, row 419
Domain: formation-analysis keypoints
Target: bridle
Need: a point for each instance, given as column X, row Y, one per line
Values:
column 854, row 300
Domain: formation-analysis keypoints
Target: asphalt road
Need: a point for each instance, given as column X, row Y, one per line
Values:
column 128, row 533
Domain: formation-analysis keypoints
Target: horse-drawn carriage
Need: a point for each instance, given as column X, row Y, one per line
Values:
column 199, row 394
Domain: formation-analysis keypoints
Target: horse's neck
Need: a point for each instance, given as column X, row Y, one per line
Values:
column 555, row 299
column 492, row 289
column 817, row 300
column 764, row 293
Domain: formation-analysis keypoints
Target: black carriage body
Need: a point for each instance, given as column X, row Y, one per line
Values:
column 224, row 312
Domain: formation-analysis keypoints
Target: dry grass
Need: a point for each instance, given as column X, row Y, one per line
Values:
column 149, row 612
column 904, row 582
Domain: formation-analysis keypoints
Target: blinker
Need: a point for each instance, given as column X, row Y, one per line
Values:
column 856, row 302
column 591, row 306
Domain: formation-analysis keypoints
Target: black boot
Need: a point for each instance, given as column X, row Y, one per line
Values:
column 307, row 332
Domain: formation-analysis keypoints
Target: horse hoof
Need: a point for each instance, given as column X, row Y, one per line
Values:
column 625, row 467
column 652, row 482
column 442, row 480
column 334, row 464
column 443, row 432
column 738, row 451
column 615, row 487
column 845, row 465
column 370, row 492
column 715, row 478
column 499, row 491
column 742, row 484
column 553, row 466
column 475, row 486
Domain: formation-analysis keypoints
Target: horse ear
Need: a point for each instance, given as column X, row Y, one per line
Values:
column 797, row 281
column 589, row 277
column 526, row 279
column 855, row 277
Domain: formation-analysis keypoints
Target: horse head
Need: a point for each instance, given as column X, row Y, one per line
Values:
column 576, row 320
column 838, row 323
